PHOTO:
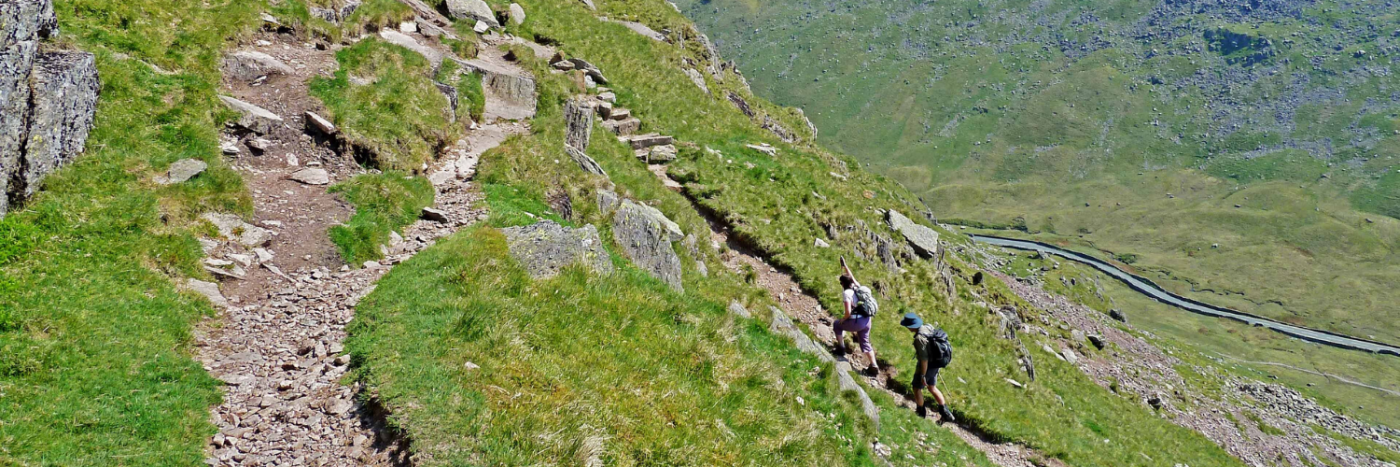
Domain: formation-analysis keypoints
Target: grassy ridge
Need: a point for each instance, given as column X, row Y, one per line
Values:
column 581, row 369
column 94, row 358
column 396, row 115
column 1113, row 125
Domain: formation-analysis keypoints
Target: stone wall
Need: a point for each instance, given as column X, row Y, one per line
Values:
column 47, row 99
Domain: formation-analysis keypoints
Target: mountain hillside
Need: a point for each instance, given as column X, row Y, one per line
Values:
column 1243, row 153
column 547, row 232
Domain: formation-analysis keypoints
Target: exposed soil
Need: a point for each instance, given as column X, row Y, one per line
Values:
column 278, row 346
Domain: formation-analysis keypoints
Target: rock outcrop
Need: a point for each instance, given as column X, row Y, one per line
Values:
column 335, row 11
column 578, row 115
column 645, row 235
column 47, row 99
column 923, row 239
column 545, row 248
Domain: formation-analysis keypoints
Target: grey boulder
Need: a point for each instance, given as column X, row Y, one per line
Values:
column 545, row 248
column 578, row 117
column 184, row 169
column 311, row 176
column 517, row 13
column 63, row 101
column 209, row 290
column 250, row 65
column 232, row 227
column 472, row 9
column 252, row 117
column 645, row 235
column 923, row 239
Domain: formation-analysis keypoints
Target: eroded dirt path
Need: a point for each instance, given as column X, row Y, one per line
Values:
column 278, row 344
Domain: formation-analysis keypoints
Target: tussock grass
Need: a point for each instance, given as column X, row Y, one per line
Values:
column 384, row 203
column 398, row 116
column 94, row 338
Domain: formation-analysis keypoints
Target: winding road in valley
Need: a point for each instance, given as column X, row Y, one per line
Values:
column 1156, row 292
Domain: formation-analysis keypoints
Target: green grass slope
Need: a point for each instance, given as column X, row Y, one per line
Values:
column 771, row 201
column 94, row 338
column 1156, row 129
column 384, row 203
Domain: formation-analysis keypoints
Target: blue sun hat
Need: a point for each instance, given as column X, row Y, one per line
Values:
column 911, row 321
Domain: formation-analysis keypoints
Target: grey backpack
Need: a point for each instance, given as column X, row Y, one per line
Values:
column 865, row 302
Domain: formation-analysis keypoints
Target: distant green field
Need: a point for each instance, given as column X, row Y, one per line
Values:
column 1134, row 127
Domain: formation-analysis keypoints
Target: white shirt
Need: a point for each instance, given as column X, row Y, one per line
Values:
column 849, row 295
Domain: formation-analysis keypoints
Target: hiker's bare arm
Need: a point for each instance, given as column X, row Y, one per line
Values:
column 923, row 367
column 847, row 305
column 847, row 269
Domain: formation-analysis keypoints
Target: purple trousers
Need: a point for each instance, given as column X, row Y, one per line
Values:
column 859, row 325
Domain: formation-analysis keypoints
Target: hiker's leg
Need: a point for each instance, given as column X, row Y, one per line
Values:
column 937, row 395
column 836, row 328
column 931, row 380
column 863, row 337
column 918, row 384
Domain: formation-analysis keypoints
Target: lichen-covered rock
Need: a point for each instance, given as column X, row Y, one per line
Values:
column 578, row 117
column 16, row 64
column 63, row 98
column 923, row 239
column 645, row 235
column 25, row 21
column 47, row 100
column 607, row 201
column 546, row 247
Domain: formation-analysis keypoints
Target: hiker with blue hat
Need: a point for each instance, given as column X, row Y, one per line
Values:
column 934, row 352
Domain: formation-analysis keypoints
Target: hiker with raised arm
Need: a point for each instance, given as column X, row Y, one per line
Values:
column 860, row 307
column 934, row 352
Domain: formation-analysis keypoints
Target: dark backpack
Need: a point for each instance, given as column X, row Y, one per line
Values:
column 942, row 350
column 865, row 304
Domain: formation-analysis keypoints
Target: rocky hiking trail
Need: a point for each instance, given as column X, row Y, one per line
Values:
column 286, row 295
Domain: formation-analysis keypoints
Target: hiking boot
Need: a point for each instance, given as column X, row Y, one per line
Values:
column 839, row 351
column 947, row 414
column 922, row 411
column 872, row 371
